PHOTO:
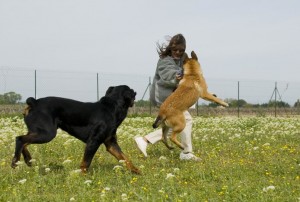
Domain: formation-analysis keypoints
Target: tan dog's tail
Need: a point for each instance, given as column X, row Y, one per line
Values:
column 157, row 122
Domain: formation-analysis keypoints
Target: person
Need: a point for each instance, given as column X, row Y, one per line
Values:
column 167, row 76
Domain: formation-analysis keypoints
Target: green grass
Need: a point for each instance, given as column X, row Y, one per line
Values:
column 246, row 159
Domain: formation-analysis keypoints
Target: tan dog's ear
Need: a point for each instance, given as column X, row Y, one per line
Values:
column 185, row 57
column 194, row 56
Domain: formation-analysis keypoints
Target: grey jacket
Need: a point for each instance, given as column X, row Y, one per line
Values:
column 164, row 81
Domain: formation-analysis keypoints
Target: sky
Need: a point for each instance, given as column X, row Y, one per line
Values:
column 234, row 39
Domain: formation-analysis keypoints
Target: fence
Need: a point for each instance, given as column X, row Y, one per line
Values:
column 90, row 86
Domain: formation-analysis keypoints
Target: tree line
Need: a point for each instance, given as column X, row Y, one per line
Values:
column 234, row 103
column 10, row 98
column 15, row 98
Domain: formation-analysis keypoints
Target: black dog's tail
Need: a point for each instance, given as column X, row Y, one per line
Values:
column 31, row 102
column 157, row 122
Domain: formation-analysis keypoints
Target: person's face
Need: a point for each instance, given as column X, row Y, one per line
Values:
column 177, row 51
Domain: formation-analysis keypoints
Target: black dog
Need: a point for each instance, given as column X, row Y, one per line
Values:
column 92, row 123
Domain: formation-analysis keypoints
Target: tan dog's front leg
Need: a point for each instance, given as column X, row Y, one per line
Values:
column 210, row 97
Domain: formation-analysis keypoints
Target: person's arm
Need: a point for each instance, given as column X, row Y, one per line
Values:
column 167, row 71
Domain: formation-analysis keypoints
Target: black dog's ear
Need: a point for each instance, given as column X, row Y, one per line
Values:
column 185, row 57
column 194, row 56
column 109, row 90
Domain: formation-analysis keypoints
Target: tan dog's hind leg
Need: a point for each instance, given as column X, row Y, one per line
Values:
column 165, row 131
column 173, row 138
column 178, row 123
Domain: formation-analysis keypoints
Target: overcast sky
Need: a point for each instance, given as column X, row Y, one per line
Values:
column 234, row 39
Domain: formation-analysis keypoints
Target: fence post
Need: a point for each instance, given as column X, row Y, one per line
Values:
column 238, row 102
column 150, row 105
column 35, row 82
column 97, row 87
column 275, row 99
column 197, row 106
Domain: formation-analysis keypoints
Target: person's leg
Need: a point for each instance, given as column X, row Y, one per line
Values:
column 153, row 137
column 186, row 134
column 186, row 139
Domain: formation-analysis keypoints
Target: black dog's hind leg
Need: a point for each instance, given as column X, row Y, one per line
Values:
column 26, row 155
column 89, row 153
column 31, row 138
column 113, row 148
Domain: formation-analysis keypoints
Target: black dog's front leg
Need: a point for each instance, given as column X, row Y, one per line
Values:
column 113, row 148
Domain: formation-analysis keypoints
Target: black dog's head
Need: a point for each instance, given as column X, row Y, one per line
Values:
column 122, row 92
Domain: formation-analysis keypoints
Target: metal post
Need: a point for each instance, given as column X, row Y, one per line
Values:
column 150, row 105
column 35, row 84
column 275, row 99
column 197, row 105
column 97, row 87
column 238, row 101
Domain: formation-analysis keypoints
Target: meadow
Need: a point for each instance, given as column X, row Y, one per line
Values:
column 243, row 159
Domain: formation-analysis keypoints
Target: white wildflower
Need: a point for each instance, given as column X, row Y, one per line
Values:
column 162, row 158
column 170, row 175
column 67, row 161
column 255, row 148
column 117, row 167
column 176, row 169
column 47, row 170
column 22, row 181
column 106, row 188
column 76, row 171
column 88, row 182
column 265, row 189
column 72, row 199
column 124, row 197
column 183, row 195
column 20, row 163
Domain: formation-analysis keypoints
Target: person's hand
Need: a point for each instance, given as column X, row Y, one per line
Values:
column 179, row 75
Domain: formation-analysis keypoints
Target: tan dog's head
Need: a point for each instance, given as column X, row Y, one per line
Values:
column 191, row 65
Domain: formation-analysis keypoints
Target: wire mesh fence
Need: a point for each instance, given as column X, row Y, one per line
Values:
column 90, row 86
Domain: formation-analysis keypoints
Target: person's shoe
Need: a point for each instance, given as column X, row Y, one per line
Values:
column 189, row 156
column 142, row 145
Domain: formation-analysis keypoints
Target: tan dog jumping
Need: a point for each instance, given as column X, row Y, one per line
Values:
column 190, row 88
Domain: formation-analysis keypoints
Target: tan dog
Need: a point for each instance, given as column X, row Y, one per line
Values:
column 190, row 88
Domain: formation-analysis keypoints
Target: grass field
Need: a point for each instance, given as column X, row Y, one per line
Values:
column 246, row 159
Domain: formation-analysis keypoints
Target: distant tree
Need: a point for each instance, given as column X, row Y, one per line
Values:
column 278, row 104
column 142, row 103
column 213, row 104
column 10, row 98
column 297, row 104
